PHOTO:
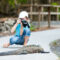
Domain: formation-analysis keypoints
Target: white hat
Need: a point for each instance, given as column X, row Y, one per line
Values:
column 23, row 14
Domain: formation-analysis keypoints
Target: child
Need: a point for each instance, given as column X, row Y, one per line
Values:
column 22, row 29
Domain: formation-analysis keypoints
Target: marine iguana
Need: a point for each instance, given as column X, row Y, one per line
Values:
column 25, row 50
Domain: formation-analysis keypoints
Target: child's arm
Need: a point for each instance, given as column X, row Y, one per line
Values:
column 14, row 27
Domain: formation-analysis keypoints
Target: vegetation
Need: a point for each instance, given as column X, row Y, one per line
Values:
column 10, row 6
column 32, row 28
column 54, row 43
column 54, row 9
column 54, row 3
column 44, row 2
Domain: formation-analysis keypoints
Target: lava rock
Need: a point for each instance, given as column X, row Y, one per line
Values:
column 55, row 47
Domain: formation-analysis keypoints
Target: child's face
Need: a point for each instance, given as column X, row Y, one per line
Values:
column 23, row 19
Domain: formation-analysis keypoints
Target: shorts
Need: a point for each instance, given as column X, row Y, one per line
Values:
column 26, row 32
column 16, row 40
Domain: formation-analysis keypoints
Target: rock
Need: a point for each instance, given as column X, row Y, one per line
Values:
column 55, row 47
column 25, row 50
column 7, row 25
column 10, row 21
column 58, row 58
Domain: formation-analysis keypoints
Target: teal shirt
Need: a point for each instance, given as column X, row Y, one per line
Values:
column 18, row 30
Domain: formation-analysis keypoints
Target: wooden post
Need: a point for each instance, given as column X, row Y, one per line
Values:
column 49, row 1
column 31, row 13
column 49, row 17
column 17, row 7
column 39, row 17
column 31, row 8
column 42, row 14
column 57, row 9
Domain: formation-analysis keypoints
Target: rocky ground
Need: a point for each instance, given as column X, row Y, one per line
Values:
column 42, row 38
column 55, row 47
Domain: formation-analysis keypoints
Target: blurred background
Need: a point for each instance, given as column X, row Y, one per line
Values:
column 44, row 14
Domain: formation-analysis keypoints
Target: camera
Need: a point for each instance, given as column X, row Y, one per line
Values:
column 25, row 23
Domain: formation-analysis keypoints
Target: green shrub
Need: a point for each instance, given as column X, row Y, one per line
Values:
column 54, row 9
column 54, row 3
column 54, row 43
column 32, row 28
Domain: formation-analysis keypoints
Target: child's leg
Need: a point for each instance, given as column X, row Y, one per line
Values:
column 27, row 35
column 11, row 42
column 15, row 40
column 26, row 40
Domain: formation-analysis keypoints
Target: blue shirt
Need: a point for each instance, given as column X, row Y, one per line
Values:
column 18, row 30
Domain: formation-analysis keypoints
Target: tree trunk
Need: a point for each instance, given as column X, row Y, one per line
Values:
column 49, row 17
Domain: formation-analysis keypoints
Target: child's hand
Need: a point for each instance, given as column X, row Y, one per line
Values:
column 18, row 21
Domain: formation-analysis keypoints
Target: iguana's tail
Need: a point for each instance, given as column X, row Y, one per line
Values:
column 16, row 53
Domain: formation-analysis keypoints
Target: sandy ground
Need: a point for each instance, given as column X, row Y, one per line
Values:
column 42, row 38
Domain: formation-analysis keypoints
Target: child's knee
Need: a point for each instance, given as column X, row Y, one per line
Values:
column 16, row 40
column 27, row 32
column 12, row 41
